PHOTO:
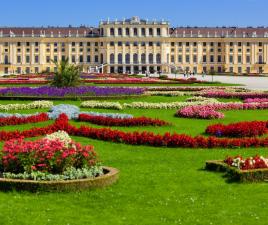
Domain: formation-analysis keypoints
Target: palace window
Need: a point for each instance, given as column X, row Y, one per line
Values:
column 212, row 58
column 150, row 43
column 120, row 31
column 158, row 30
column 151, row 58
column 120, row 43
column 127, row 31
column 112, row 31
column 143, row 58
column 158, row 58
column 127, row 58
column 48, row 59
column 135, row 58
column 88, row 58
column 231, row 59
column 120, row 58
column 248, row 59
column 135, row 31
column 187, row 59
column 81, row 59
column 27, row 59
column 180, row 58
column 36, row 59
column 151, row 31
column 143, row 33
column 239, row 59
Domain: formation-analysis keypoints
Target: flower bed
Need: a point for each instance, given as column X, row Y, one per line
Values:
column 167, row 93
column 241, row 129
column 18, row 81
column 47, row 91
column 208, row 111
column 241, row 95
column 256, row 100
column 137, row 138
column 252, row 169
column 32, row 105
column 106, row 121
column 53, row 158
column 13, row 120
column 256, row 162
column 169, row 105
column 101, row 105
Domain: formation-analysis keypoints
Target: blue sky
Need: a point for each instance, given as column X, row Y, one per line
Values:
column 90, row 12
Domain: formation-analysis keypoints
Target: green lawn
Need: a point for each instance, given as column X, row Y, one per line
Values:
column 156, row 185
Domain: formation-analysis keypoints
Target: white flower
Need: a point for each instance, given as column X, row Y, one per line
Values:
column 61, row 136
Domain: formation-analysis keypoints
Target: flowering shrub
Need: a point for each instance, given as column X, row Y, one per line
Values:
column 256, row 100
column 106, row 121
column 51, row 155
column 32, row 105
column 101, row 105
column 256, row 162
column 209, row 111
column 13, row 120
column 241, row 129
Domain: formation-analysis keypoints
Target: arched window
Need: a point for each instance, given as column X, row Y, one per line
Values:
column 112, row 31
column 151, row 58
column 127, row 58
column 143, row 33
column 101, row 58
column 111, row 58
column 135, row 32
column 120, row 58
column 127, row 31
column 135, row 58
column 143, row 58
column 151, row 31
column 158, row 58
column 120, row 31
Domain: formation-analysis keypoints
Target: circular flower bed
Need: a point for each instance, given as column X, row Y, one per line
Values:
column 54, row 162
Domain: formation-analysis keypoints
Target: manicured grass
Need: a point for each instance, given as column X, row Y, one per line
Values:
column 156, row 185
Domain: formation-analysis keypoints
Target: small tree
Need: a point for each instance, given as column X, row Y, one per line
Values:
column 67, row 75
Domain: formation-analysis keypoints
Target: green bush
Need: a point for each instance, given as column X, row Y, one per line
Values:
column 67, row 75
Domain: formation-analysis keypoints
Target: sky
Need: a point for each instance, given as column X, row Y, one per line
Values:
column 177, row 12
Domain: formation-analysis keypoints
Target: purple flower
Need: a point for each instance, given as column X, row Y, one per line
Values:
column 70, row 91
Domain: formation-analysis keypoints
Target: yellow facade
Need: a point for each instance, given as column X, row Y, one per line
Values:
column 135, row 46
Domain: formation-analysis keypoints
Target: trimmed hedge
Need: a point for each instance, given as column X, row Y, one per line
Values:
column 110, row 176
column 234, row 174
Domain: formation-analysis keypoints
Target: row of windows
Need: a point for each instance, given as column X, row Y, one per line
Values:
column 135, row 58
column 135, row 31
column 135, row 43
column 212, row 44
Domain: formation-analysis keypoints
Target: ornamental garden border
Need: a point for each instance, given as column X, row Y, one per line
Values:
column 110, row 176
column 234, row 174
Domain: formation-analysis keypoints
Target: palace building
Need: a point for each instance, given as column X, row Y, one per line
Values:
column 134, row 46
